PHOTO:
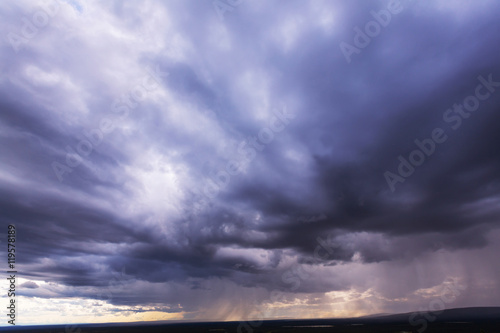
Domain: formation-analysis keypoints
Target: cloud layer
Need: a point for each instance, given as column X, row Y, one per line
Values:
column 162, row 161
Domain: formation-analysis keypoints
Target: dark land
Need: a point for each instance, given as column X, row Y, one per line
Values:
column 480, row 320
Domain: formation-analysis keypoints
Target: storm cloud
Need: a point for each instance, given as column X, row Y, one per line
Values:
column 186, row 161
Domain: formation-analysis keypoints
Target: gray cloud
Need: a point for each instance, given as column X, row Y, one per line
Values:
column 137, row 201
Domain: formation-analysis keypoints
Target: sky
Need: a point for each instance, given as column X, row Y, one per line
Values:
column 234, row 160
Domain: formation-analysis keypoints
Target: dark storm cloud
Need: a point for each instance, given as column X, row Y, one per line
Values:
column 392, row 106
column 29, row 285
column 351, row 122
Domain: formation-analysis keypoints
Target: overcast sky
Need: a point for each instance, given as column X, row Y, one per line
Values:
column 192, row 159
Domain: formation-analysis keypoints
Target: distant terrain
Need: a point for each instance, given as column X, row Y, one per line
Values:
column 480, row 320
